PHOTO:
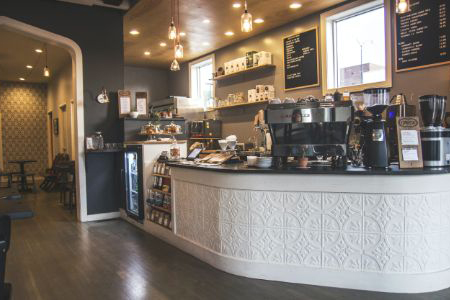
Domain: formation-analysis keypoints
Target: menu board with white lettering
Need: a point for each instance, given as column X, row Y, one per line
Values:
column 301, row 60
column 422, row 34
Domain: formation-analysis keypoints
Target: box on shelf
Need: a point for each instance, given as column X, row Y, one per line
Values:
column 262, row 58
column 227, row 66
column 252, row 95
column 249, row 58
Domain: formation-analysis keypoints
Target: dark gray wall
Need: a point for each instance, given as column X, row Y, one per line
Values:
column 239, row 121
column 98, row 32
column 151, row 80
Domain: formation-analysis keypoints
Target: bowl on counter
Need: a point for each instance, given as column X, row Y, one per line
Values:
column 134, row 114
column 223, row 144
column 264, row 162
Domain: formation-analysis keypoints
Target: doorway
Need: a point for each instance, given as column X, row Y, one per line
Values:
column 77, row 78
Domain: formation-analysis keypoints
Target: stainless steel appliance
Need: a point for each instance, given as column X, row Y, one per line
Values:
column 206, row 129
column 175, row 106
column 435, row 138
column 133, row 177
column 375, row 146
column 310, row 129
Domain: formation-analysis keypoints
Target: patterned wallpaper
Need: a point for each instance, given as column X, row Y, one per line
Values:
column 24, row 112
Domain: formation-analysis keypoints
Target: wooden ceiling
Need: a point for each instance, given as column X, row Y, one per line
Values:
column 152, row 17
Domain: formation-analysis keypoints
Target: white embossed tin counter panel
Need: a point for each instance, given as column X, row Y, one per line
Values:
column 355, row 232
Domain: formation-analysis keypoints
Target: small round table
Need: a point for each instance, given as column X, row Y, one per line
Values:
column 21, row 163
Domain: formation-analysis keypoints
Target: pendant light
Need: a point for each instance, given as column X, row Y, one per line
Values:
column 175, row 66
column 172, row 27
column 46, row 69
column 402, row 6
column 246, row 20
column 179, row 53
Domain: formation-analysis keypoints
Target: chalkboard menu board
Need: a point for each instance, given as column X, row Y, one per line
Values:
column 421, row 35
column 301, row 60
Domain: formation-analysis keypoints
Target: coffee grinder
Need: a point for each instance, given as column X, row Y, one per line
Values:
column 435, row 138
column 375, row 146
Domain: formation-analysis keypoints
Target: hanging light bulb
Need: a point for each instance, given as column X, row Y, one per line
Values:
column 179, row 50
column 175, row 66
column 46, row 69
column 46, row 72
column 246, row 20
column 402, row 6
column 172, row 31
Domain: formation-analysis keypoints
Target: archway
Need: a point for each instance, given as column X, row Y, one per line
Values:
column 77, row 79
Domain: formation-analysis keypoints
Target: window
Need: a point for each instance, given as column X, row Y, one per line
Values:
column 200, row 78
column 356, row 50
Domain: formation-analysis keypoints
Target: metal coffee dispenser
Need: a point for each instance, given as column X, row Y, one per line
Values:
column 311, row 128
column 435, row 138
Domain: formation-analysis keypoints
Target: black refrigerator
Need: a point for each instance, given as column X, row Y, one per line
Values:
column 134, row 186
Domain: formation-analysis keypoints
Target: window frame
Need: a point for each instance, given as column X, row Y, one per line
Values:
column 326, row 23
column 211, row 57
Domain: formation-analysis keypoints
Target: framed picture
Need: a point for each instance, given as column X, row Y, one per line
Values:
column 124, row 103
column 141, row 103
column 55, row 126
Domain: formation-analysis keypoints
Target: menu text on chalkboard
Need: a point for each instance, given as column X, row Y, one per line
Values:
column 422, row 34
column 301, row 60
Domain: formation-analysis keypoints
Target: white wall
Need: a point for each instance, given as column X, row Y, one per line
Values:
column 60, row 93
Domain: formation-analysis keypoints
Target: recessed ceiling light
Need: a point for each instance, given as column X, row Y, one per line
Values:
column 21, row 79
column 229, row 33
column 38, row 50
column 147, row 53
column 182, row 33
column 237, row 4
column 205, row 44
column 259, row 21
column 134, row 32
column 206, row 21
column 29, row 67
column 162, row 44
column 295, row 5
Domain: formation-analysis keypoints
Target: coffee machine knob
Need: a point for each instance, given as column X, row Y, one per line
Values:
column 378, row 135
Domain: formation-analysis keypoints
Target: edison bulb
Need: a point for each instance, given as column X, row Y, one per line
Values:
column 172, row 31
column 46, row 72
column 175, row 66
column 178, row 51
column 246, row 22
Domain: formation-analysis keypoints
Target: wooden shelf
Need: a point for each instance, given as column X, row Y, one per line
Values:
column 160, row 191
column 249, row 70
column 240, row 105
column 161, row 209
column 160, row 175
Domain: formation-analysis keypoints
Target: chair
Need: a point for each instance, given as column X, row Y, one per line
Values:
column 50, row 179
column 5, row 238
column 66, row 184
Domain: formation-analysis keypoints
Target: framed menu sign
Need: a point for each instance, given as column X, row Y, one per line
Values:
column 141, row 103
column 422, row 34
column 301, row 60
column 409, row 144
column 124, row 103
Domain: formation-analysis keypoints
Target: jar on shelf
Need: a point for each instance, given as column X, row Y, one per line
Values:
column 175, row 151
column 97, row 140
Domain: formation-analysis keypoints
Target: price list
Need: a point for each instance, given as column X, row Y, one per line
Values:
column 422, row 35
column 301, row 60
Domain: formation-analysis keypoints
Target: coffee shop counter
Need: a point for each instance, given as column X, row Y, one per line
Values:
column 380, row 230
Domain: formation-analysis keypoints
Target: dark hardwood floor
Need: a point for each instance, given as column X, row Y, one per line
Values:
column 54, row 257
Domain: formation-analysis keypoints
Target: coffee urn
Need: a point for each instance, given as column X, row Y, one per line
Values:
column 375, row 146
column 435, row 138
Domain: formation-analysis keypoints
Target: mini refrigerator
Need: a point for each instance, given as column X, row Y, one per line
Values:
column 134, row 185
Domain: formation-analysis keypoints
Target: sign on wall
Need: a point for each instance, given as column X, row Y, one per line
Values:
column 421, row 35
column 301, row 60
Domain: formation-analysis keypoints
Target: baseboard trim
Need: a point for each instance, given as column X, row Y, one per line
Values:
column 99, row 217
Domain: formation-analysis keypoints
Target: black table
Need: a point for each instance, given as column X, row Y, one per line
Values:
column 21, row 163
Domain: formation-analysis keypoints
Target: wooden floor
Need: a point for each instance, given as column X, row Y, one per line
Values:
column 54, row 257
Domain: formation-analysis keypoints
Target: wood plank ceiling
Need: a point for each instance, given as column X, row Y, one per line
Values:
column 152, row 17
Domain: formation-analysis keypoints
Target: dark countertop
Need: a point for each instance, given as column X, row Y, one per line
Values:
column 241, row 168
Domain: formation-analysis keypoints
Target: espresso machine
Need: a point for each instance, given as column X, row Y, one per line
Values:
column 435, row 138
column 311, row 128
column 375, row 146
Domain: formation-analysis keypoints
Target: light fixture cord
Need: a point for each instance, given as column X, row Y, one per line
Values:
column 245, row 5
column 178, row 21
